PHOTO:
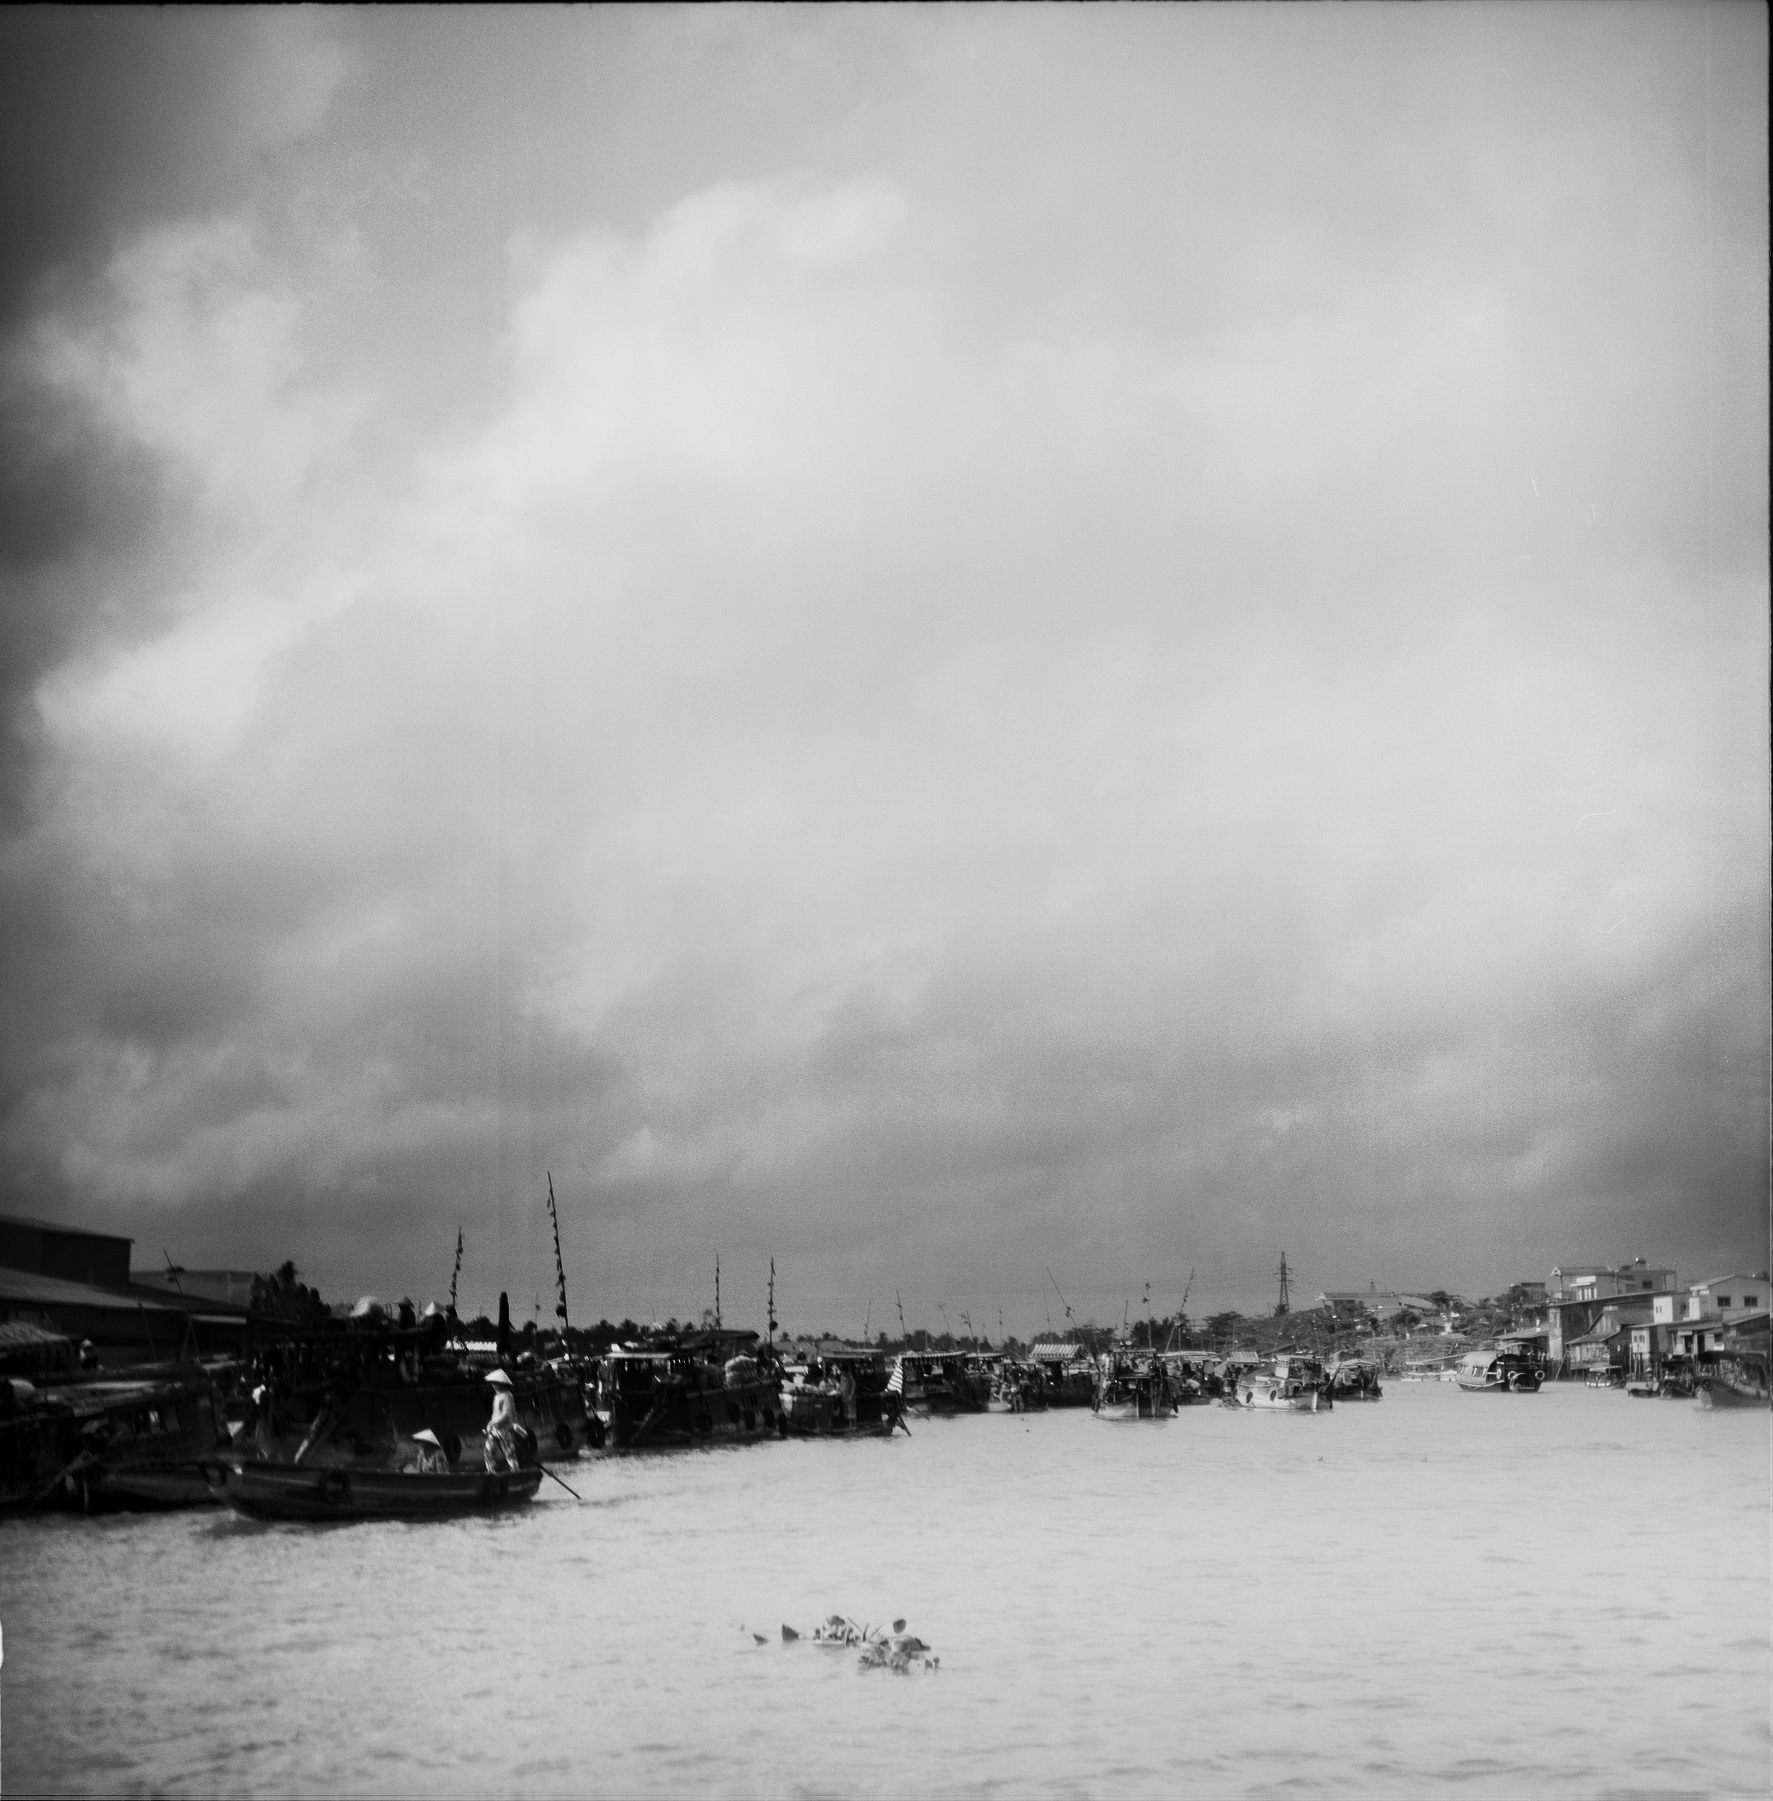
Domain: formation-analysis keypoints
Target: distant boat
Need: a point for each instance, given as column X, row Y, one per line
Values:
column 1501, row 1371
column 938, row 1382
column 282, row 1491
column 710, row 1385
column 1131, row 1388
column 817, row 1404
column 1291, row 1384
column 1065, row 1377
column 1354, row 1379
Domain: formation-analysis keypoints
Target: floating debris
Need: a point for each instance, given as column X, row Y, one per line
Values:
column 898, row 1650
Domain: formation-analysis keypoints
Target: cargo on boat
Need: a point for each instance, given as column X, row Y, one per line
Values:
column 274, row 1491
column 842, row 1391
column 714, row 1384
column 931, row 1382
column 1192, row 1376
column 1019, row 1387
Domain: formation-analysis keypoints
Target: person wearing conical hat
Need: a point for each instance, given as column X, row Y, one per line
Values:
column 432, row 1459
column 501, row 1429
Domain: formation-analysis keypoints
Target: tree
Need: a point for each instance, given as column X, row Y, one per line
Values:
column 1223, row 1326
column 281, row 1296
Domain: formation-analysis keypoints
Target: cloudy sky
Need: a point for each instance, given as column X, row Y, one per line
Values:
column 937, row 643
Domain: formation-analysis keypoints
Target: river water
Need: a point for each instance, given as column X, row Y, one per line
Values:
column 1564, row 1594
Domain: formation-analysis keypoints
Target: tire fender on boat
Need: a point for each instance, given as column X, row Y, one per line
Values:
column 335, row 1487
column 563, row 1436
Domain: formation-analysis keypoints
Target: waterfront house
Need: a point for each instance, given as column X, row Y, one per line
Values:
column 1607, row 1343
column 1726, row 1298
column 1602, row 1282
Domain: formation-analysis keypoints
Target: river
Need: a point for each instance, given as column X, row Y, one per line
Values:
column 1564, row 1594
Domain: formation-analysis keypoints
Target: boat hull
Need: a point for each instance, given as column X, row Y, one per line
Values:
column 269, row 1491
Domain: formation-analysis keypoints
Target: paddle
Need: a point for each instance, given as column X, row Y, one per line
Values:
column 567, row 1486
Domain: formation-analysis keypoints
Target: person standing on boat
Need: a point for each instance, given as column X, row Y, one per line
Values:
column 846, row 1387
column 501, row 1429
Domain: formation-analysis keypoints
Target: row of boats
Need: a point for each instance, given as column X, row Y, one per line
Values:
column 334, row 1424
column 402, row 1422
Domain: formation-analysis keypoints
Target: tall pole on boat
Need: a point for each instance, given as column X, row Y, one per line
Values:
column 903, row 1334
column 772, row 1311
column 717, row 1288
column 455, row 1274
column 559, row 1266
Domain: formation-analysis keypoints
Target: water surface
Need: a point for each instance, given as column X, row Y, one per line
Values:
column 1564, row 1594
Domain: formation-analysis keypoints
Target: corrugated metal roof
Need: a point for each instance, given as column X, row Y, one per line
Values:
column 27, row 1288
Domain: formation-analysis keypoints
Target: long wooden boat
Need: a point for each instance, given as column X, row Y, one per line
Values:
column 282, row 1491
column 711, row 1385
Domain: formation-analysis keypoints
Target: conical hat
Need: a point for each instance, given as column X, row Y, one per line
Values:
column 501, row 1378
column 427, row 1437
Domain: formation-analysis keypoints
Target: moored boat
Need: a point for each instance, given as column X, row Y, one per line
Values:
column 1354, row 1379
column 1290, row 1384
column 1131, row 1388
column 709, row 1385
column 840, row 1392
column 281, row 1491
column 1065, row 1375
column 931, row 1382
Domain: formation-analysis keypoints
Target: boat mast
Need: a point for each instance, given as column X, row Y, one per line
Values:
column 772, row 1306
column 455, row 1274
column 559, row 1266
column 717, row 1288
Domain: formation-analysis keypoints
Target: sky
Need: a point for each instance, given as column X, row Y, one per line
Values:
column 993, row 652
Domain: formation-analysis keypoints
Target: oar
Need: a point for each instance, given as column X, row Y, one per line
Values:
column 567, row 1486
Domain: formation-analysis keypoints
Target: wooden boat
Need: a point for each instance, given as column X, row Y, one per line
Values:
column 1290, row 1384
column 118, row 1441
column 1019, row 1387
column 1190, row 1376
column 930, row 1382
column 1734, row 1381
column 282, row 1491
column 1067, row 1376
column 1500, row 1371
column 1131, row 1388
column 707, row 1386
column 815, row 1404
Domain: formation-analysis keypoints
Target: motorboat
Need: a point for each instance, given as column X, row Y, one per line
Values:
column 932, row 1382
column 283, row 1491
column 1354, row 1379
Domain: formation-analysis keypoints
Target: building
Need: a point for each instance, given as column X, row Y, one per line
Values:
column 67, row 1280
column 1726, row 1298
column 1607, row 1344
column 1600, row 1282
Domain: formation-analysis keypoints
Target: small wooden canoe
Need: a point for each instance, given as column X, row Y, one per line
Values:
column 283, row 1491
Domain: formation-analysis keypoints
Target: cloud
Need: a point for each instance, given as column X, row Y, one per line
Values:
column 918, row 729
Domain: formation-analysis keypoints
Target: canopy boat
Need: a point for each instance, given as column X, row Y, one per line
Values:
column 842, row 1391
column 1290, row 1384
column 281, row 1491
column 1066, row 1375
column 1507, row 1369
column 938, row 1382
column 1131, row 1388
column 1734, row 1381
column 709, row 1385
column 1354, row 1379
column 111, row 1441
